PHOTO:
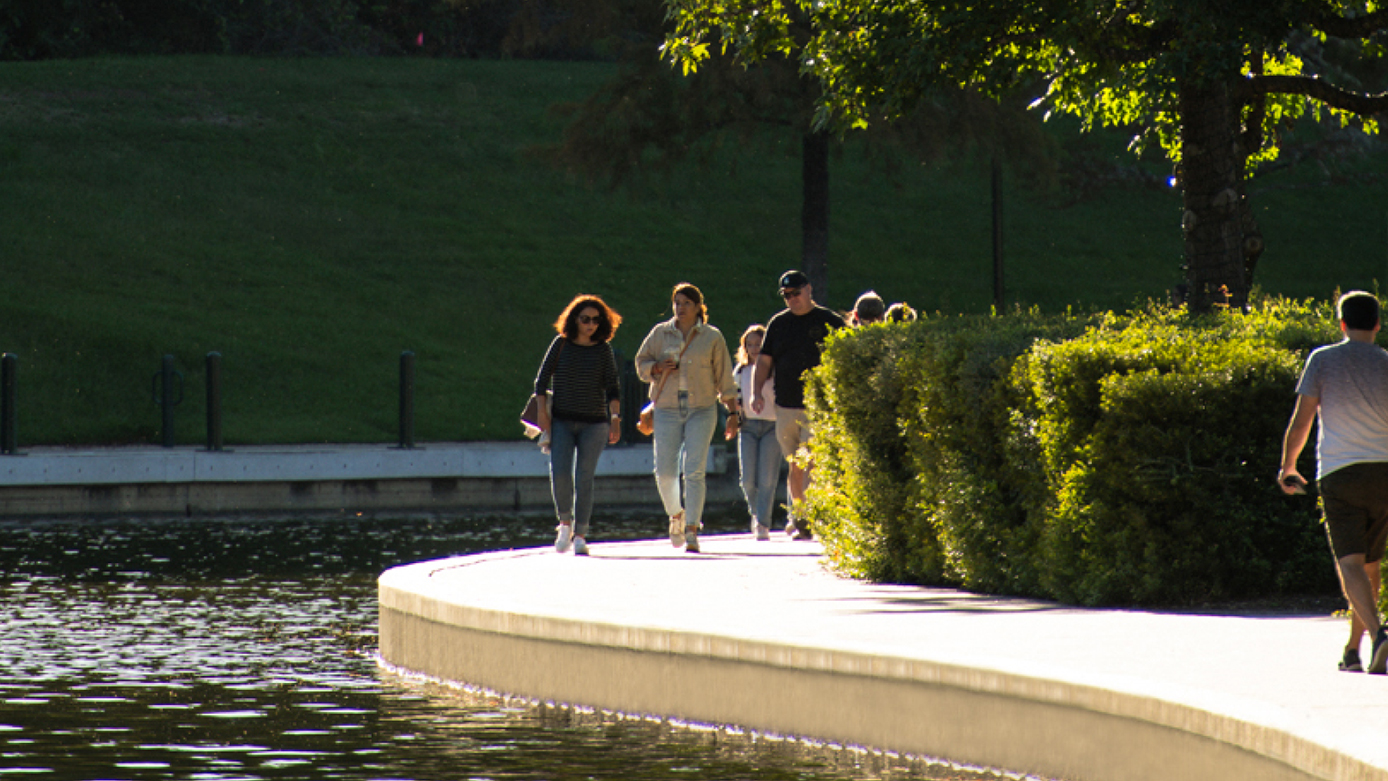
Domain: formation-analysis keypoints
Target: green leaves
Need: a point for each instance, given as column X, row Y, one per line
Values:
column 1113, row 459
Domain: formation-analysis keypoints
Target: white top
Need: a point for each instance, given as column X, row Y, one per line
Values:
column 1351, row 381
column 768, row 394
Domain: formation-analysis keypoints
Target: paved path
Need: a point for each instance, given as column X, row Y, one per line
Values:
column 1025, row 685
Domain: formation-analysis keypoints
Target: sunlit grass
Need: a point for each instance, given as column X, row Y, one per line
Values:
column 311, row 219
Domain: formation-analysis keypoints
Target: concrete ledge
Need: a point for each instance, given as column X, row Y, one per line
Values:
column 346, row 479
column 758, row 635
column 341, row 497
column 299, row 463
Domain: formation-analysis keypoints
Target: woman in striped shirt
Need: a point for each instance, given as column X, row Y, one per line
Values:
column 579, row 373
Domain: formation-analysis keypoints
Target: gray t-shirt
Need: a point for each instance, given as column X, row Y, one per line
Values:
column 1351, row 381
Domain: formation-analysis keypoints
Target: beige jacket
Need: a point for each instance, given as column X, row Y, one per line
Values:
column 707, row 366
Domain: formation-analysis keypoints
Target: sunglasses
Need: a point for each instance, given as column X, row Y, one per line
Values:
column 586, row 319
column 790, row 293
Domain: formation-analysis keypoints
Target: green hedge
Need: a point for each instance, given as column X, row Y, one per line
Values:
column 1106, row 459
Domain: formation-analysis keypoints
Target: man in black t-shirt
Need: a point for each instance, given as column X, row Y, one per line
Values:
column 791, row 347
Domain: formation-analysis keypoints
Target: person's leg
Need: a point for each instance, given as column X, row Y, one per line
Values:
column 561, row 479
column 592, row 439
column 788, row 436
column 803, row 466
column 747, row 466
column 768, row 472
column 1359, row 591
column 667, row 439
column 1373, row 571
column 1355, row 502
column 698, row 435
column 1359, row 587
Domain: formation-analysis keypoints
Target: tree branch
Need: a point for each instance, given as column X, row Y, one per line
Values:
column 1317, row 89
column 1350, row 27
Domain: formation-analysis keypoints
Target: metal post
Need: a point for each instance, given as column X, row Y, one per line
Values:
column 633, row 399
column 214, row 401
column 166, row 381
column 8, row 418
column 999, row 297
column 406, row 399
column 166, row 375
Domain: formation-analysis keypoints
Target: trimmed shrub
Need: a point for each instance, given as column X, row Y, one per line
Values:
column 1097, row 460
column 907, row 420
column 1157, row 439
column 861, row 463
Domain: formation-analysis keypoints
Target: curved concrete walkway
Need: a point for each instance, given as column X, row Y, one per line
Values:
column 762, row 636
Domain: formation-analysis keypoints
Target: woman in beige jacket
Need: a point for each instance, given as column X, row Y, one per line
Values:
column 690, row 370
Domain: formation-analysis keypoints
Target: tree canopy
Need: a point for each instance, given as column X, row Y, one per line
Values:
column 1212, row 82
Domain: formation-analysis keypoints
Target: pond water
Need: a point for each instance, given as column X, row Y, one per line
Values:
column 246, row 649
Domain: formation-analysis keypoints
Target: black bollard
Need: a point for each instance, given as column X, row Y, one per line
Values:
column 633, row 398
column 406, row 400
column 214, row 401
column 166, row 382
column 8, row 417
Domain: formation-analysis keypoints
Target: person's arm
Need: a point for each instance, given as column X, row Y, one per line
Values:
column 724, row 377
column 1298, row 432
column 650, row 360
column 542, row 381
column 646, row 356
column 614, row 398
column 760, row 375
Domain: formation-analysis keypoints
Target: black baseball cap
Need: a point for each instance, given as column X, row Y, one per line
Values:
column 792, row 279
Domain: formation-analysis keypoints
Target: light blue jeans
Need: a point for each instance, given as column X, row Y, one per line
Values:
column 570, row 479
column 682, row 438
column 759, row 458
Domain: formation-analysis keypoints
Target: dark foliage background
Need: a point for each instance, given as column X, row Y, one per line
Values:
column 49, row 29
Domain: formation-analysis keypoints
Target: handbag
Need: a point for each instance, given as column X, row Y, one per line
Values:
column 530, row 416
column 645, row 422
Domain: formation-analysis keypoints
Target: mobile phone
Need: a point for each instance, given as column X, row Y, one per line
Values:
column 1295, row 483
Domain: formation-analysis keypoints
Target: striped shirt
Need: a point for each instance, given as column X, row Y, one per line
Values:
column 581, row 380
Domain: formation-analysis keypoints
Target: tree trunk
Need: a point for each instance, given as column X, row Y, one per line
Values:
column 1211, row 173
column 814, row 212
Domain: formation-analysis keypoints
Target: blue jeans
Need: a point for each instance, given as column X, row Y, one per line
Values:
column 682, row 438
column 759, row 457
column 570, row 481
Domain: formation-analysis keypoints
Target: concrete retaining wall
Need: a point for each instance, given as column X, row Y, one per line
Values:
column 338, row 479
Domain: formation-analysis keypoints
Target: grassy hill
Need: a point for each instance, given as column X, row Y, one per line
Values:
column 311, row 219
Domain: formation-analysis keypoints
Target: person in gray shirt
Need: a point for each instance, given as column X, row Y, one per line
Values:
column 1346, row 384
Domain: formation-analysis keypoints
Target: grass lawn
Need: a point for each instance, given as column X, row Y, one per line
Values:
column 310, row 219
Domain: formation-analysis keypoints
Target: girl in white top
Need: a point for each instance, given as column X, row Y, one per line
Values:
column 758, row 454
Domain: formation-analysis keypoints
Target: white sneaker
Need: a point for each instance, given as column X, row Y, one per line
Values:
column 691, row 539
column 565, row 538
column 580, row 547
column 763, row 533
column 677, row 529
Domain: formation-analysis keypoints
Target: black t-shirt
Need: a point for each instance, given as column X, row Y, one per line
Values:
column 793, row 342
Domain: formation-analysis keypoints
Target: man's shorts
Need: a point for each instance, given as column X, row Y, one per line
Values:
column 792, row 429
column 1355, row 501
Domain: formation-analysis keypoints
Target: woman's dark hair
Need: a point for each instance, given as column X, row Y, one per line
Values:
column 1359, row 310
column 692, row 293
column 567, row 324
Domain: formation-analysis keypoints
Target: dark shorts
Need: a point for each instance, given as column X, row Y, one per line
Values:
column 1355, row 501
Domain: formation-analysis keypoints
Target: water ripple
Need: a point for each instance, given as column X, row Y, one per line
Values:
column 221, row 650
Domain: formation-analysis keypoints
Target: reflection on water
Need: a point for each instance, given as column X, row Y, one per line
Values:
column 246, row 650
